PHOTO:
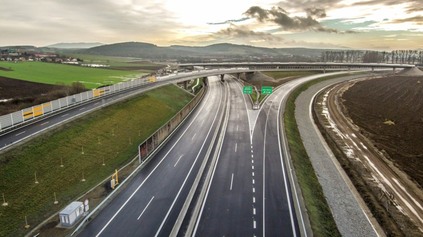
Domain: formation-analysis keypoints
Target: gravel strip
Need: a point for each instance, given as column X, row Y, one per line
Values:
column 345, row 203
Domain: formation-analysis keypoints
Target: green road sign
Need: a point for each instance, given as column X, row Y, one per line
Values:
column 266, row 90
column 247, row 90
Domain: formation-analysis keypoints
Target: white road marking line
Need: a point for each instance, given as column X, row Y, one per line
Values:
column 254, row 211
column 252, row 156
column 251, row 147
column 145, row 208
column 178, row 161
column 252, row 167
column 20, row 133
column 64, row 115
column 252, row 151
column 232, row 181
column 193, row 136
column 253, row 173
column 44, row 123
column 254, row 181
column 254, row 224
column 81, row 108
column 254, row 199
column 254, row 190
column 236, row 146
column 252, row 161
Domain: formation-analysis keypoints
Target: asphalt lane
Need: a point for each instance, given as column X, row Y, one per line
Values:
column 150, row 203
column 279, row 217
column 228, row 209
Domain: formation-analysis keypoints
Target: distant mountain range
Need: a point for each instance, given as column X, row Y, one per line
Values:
column 80, row 45
column 216, row 51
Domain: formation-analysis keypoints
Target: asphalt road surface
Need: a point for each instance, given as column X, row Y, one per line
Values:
column 150, row 204
column 250, row 192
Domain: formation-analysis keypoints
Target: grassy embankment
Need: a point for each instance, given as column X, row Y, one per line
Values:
column 53, row 73
column 280, row 77
column 110, row 135
column 321, row 219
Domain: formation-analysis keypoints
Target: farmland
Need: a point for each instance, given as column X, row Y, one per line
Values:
column 107, row 136
column 399, row 100
column 120, row 63
column 60, row 74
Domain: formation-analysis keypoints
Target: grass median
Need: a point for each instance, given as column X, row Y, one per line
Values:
column 321, row 219
column 110, row 136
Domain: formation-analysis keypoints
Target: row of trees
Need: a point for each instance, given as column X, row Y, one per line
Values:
column 358, row 56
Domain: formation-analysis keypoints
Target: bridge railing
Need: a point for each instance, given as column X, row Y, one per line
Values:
column 27, row 115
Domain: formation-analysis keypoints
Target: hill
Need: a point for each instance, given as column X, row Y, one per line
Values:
column 81, row 45
column 222, row 52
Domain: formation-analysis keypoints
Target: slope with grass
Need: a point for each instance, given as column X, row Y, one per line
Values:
column 110, row 135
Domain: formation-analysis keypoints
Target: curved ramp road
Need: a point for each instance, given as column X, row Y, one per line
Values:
column 150, row 204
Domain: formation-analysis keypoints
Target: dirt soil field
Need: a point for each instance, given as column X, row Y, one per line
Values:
column 390, row 112
column 358, row 120
column 25, row 94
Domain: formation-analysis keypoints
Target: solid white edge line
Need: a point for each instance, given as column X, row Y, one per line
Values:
column 186, row 178
column 283, row 170
column 164, row 157
column 212, row 175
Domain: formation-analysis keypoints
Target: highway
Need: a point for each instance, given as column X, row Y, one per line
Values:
column 150, row 204
column 250, row 192
column 229, row 209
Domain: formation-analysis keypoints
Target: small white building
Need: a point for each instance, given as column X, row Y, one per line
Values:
column 71, row 214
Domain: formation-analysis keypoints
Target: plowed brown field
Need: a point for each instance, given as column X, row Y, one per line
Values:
column 25, row 94
column 390, row 113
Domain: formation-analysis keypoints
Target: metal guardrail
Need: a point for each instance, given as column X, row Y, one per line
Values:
column 18, row 118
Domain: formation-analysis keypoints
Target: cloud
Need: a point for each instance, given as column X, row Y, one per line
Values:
column 60, row 20
column 242, row 32
column 296, row 23
column 416, row 19
column 229, row 21
column 300, row 4
column 413, row 5
column 316, row 12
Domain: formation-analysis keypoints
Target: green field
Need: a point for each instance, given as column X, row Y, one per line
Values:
column 125, row 63
column 53, row 73
column 112, row 134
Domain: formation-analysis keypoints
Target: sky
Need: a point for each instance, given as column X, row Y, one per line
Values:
column 334, row 24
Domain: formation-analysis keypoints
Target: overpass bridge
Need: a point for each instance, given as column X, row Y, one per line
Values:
column 254, row 66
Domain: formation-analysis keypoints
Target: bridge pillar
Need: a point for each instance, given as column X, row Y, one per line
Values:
column 373, row 69
column 185, row 85
column 221, row 77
